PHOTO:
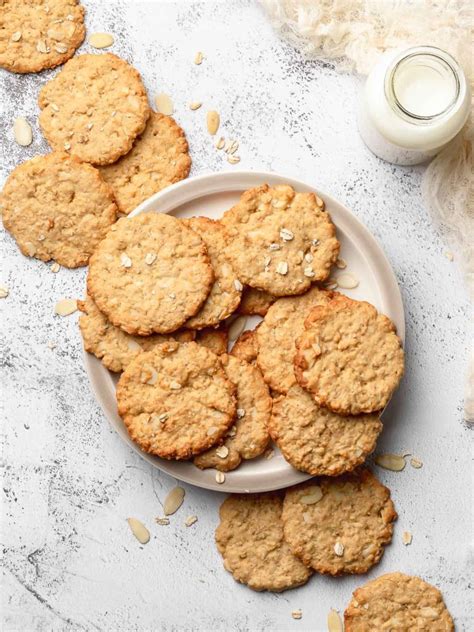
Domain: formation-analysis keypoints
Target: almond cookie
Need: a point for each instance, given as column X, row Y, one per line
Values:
column 39, row 34
column 214, row 339
column 349, row 357
column 339, row 525
column 224, row 296
column 176, row 400
column 277, row 334
column 113, row 346
column 281, row 241
column 397, row 602
column 150, row 274
column 94, row 108
column 57, row 208
column 250, row 539
column 245, row 347
column 248, row 437
column 255, row 302
column 158, row 158
column 315, row 440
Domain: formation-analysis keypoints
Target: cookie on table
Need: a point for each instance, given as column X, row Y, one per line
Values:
column 349, row 356
column 113, row 346
column 248, row 437
column 214, row 339
column 224, row 296
column 94, row 108
column 339, row 525
column 159, row 157
column 281, row 241
column 397, row 602
column 315, row 440
column 40, row 34
column 245, row 347
column 250, row 540
column 150, row 274
column 255, row 302
column 57, row 208
column 176, row 400
column 277, row 334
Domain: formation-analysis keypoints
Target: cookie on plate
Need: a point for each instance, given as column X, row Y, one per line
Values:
column 248, row 437
column 245, row 347
column 57, row 208
column 349, row 356
column 255, row 302
column 397, row 602
column 113, row 346
column 281, row 241
column 214, row 339
column 250, row 539
column 224, row 296
column 159, row 157
column 176, row 400
column 277, row 334
column 150, row 274
column 40, row 34
column 339, row 525
column 315, row 440
column 94, row 108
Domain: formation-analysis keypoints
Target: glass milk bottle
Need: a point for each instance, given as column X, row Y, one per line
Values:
column 413, row 103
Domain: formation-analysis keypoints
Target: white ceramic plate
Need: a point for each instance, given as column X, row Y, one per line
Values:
column 211, row 195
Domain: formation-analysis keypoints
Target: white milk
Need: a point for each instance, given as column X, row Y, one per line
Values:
column 413, row 103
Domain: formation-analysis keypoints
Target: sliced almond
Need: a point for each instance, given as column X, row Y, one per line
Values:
column 22, row 131
column 139, row 530
column 297, row 614
column 407, row 538
column 220, row 477
column 313, row 495
column 65, row 307
column 237, row 327
column 393, row 462
column 416, row 463
column 16, row 37
column 220, row 143
column 222, row 451
column 4, row 291
column 101, row 40
column 347, row 281
column 173, row 500
column 190, row 520
column 164, row 104
column 195, row 105
column 334, row 621
column 198, row 58
column 55, row 267
column 213, row 122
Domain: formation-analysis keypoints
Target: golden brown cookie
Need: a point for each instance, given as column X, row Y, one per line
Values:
column 339, row 525
column 277, row 334
column 158, row 158
column 315, row 440
column 176, row 400
column 245, row 347
column 57, row 208
column 39, row 34
column 150, row 274
column 224, row 296
column 397, row 602
column 214, row 339
column 250, row 539
column 113, row 346
column 255, row 302
column 281, row 241
column 349, row 357
column 94, row 108
column 248, row 437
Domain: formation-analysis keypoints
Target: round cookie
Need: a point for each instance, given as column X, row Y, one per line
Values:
column 349, row 357
column 158, row 158
column 277, row 334
column 57, row 208
column 339, row 525
column 94, row 108
column 150, row 274
column 224, row 296
column 315, row 440
column 255, row 302
column 281, row 241
column 250, row 539
column 245, row 347
column 248, row 437
column 176, row 400
column 113, row 346
column 397, row 602
column 39, row 34
column 214, row 339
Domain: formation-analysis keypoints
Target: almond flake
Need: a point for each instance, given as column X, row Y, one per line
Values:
column 22, row 131
column 407, row 538
column 222, row 451
column 308, row 257
column 173, row 501
column 60, row 47
column 341, row 264
column 139, row 530
column 393, row 462
column 213, row 122
column 198, row 58
column 233, row 160
column 313, row 496
column 162, row 521
column 195, row 105
column 237, row 327
column 150, row 258
column 220, row 143
column 282, row 268
column 175, row 386
column 163, row 417
column 164, row 104
column 55, row 267
column 238, row 285
column 101, row 40
column 125, row 260
column 240, row 413
column 133, row 345
column 347, row 281
column 65, row 307
column 4, row 291
column 190, row 520
column 308, row 272
column 416, row 463
column 334, row 621
column 16, row 37
column 339, row 549
column 297, row 614
column 274, row 247
column 286, row 234
column 41, row 47
column 220, row 477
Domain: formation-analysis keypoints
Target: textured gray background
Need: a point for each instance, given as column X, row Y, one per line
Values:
column 69, row 483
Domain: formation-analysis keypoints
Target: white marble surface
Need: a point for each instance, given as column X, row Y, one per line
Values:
column 69, row 483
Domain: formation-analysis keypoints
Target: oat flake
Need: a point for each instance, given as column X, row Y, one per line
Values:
column 407, row 538
column 220, row 477
column 297, row 614
column 190, row 520
column 4, row 291
column 416, row 463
